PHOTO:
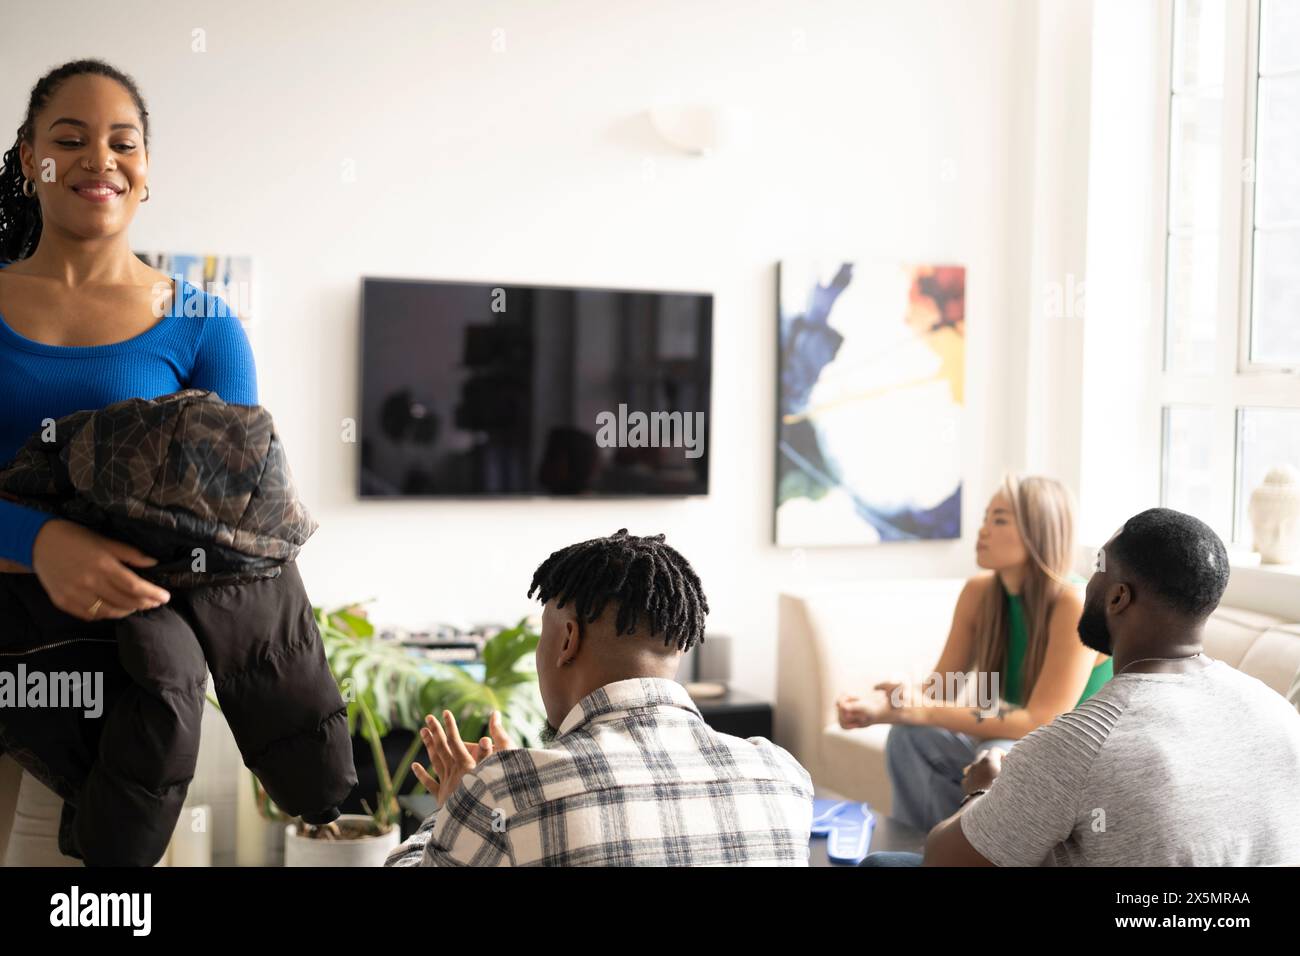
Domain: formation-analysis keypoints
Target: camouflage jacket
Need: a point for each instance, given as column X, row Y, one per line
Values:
column 200, row 485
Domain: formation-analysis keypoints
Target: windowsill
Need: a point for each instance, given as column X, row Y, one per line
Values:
column 1267, row 588
column 1249, row 560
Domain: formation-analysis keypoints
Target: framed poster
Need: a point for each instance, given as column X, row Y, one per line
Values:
column 871, row 370
column 230, row 277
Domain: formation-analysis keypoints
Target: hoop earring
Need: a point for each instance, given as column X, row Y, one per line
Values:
column 26, row 183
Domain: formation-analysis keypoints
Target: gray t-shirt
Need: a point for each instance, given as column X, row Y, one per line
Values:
column 1195, row 769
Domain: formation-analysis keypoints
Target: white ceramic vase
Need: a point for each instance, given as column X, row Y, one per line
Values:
column 1275, row 516
column 366, row 851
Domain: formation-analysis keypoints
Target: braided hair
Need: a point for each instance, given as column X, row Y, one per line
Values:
column 648, row 579
column 20, row 215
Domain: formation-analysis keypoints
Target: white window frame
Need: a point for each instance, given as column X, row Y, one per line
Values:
column 1236, row 382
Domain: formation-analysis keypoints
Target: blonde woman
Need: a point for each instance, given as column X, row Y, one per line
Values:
column 1017, row 623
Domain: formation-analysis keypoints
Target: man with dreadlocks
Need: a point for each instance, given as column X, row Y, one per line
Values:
column 631, row 774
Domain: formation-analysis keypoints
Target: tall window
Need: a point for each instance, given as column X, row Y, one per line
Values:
column 1231, row 373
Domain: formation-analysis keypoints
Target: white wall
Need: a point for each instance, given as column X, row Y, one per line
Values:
column 1049, row 329
column 893, row 129
column 1119, row 438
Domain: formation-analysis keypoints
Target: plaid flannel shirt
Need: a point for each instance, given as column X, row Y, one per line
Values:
column 634, row 777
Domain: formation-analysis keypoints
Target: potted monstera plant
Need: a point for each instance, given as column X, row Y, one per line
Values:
column 386, row 687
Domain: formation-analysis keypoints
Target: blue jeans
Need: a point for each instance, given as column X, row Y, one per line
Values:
column 925, row 771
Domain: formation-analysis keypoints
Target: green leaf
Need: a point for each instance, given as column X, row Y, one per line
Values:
column 388, row 687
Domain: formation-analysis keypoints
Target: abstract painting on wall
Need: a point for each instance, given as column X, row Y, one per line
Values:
column 230, row 277
column 871, row 368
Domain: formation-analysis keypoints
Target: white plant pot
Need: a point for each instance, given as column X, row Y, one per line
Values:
column 366, row 851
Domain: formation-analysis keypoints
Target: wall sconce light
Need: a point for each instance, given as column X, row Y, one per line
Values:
column 694, row 130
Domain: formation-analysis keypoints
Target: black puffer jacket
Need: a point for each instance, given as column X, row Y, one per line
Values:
column 205, row 488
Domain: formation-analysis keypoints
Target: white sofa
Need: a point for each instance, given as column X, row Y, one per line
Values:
column 844, row 640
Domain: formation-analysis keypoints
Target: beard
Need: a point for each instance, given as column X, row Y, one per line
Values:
column 1094, row 631
column 549, row 733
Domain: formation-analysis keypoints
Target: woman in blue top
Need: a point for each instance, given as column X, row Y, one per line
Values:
column 84, row 322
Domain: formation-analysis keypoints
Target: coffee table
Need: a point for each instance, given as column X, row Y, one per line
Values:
column 889, row 834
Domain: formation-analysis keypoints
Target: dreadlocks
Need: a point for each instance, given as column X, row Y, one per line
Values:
column 20, row 214
column 646, row 578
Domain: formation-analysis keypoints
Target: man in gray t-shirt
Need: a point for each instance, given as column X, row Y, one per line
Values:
column 1193, row 769
column 1180, row 760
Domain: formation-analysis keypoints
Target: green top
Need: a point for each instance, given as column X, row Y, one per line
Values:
column 1018, row 642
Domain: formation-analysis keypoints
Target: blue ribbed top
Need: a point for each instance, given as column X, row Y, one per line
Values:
column 199, row 343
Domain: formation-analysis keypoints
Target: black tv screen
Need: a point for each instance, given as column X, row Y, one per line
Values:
column 474, row 389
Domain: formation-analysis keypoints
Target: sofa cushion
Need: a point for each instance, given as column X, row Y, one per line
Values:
column 1230, row 632
column 854, row 765
column 1274, row 658
column 881, row 630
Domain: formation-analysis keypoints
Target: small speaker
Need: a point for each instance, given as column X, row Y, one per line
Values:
column 711, row 660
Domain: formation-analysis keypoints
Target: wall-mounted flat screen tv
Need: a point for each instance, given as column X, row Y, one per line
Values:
column 481, row 389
